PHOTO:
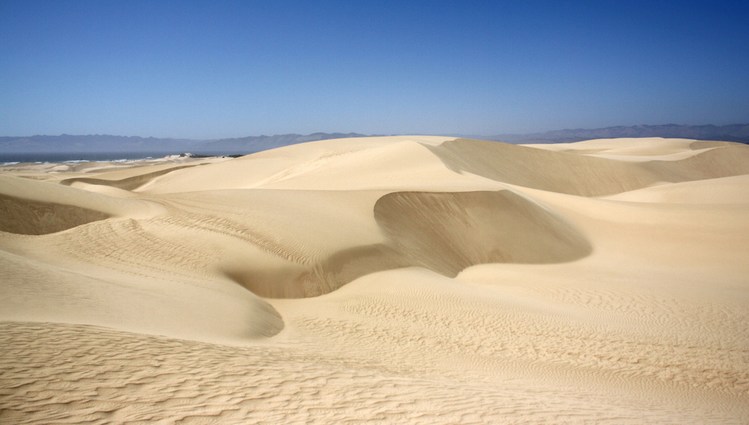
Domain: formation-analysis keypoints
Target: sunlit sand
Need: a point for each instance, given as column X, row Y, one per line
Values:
column 407, row 279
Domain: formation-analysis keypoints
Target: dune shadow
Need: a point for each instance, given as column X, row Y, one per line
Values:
column 449, row 231
column 27, row 217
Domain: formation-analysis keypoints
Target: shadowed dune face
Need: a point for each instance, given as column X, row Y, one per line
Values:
column 447, row 232
column 441, row 231
column 26, row 217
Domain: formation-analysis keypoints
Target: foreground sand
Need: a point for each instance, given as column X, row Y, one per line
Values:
column 384, row 280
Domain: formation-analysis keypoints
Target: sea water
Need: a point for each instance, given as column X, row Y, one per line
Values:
column 42, row 157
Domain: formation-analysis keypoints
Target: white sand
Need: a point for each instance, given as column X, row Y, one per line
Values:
column 386, row 280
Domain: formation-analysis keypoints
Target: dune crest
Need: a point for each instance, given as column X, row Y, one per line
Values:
column 126, row 183
column 578, row 172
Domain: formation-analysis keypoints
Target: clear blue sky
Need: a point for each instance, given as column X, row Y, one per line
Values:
column 210, row 69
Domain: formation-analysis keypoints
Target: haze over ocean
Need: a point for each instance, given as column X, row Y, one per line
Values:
column 227, row 69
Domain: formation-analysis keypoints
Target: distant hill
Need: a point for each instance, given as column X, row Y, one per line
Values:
column 260, row 143
column 91, row 143
column 107, row 143
column 728, row 133
column 66, row 143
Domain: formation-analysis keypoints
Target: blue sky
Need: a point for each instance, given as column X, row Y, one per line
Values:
column 211, row 69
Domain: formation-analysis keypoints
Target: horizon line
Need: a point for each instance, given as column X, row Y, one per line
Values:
column 386, row 134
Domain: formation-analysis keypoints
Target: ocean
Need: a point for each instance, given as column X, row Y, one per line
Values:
column 42, row 157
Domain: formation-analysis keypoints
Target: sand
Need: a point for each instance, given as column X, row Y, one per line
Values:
column 406, row 279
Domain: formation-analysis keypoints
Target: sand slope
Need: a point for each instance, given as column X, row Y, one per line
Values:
column 399, row 279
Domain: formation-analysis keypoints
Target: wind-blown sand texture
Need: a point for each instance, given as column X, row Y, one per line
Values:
column 382, row 280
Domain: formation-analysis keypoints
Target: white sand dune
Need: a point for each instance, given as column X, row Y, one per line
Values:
column 406, row 279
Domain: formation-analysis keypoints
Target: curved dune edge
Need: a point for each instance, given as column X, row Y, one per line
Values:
column 47, row 192
column 721, row 190
column 128, row 183
column 445, row 232
column 140, row 300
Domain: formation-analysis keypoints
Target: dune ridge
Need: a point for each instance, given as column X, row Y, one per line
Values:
column 126, row 183
column 414, row 279
column 588, row 174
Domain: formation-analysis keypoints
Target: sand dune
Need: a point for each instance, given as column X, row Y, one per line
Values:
column 406, row 279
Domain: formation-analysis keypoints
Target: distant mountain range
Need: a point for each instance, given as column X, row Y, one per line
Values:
column 243, row 145
column 259, row 143
column 727, row 133
column 107, row 143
